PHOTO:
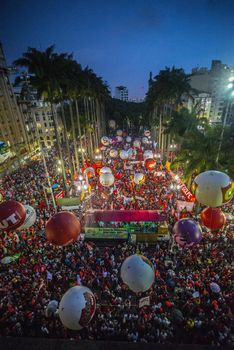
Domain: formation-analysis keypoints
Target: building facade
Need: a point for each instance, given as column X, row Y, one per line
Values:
column 212, row 92
column 121, row 93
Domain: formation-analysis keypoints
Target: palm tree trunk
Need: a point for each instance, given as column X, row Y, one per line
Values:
column 79, row 130
column 87, row 126
column 66, row 139
column 54, row 115
column 74, row 137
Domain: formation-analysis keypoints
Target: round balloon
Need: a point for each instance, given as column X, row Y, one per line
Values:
column 150, row 164
column 62, row 228
column 12, row 215
column 187, row 233
column 51, row 308
column 113, row 153
column 30, row 218
column 138, row 273
column 112, row 124
column 123, row 154
column 139, row 178
column 105, row 140
column 77, row 307
column 147, row 133
column 106, row 179
column 137, row 143
column 212, row 188
column 128, row 139
column 125, row 133
column 119, row 132
column 144, row 140
column 105, row 170
column 119, row 138
column 90, row 172
column 213, row 218
column 148, row 154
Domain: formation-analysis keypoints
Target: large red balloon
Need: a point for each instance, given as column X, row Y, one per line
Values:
column 213, row 218
column 63, row 228
column 12, row 215
column 150, row 164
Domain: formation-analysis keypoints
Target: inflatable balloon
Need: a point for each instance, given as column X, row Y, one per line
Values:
column 62, row 228
column 138, row 273
column 215, row 288
column 137, row 143
column 213, row 218
column 105, row 140
column 147, row 133
column 105, row 170
column 144, row 140
column 106, row 179
column 90, row 172
column 123, row 154
column 119, row 133
column 150, row 164
column 119, row 138
column 187, row 233
column 128, row 139
column 119, row 174
column 125, row 134
column 113, row 153
column 212, row 188
column 30, row 218
column 148, row 154
column 113, row 140
column 112, row 124
column 139, row 178
column 12, row 215
column 51, row 308
column 77, row 307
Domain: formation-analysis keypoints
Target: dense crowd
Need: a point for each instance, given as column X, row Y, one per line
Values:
column 183, row 308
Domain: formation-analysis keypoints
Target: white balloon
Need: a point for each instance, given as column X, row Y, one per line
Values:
column 144, row 140
column 119, row 138
column 105, row 140
column 51, row 308
column 148, row 154
column 119, row 132
column 128, row 139
column 113, row 153
column 30, row 217
column 138, row 273
column 147, row 133
column 112, row 124
column 123, row 154
column 106, row 179
column 139, row 178
column 105, row 170
column 77, row 307
column 137, row 143
column 213, row 188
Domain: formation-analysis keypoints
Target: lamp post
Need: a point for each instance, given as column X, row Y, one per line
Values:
column 230, row 86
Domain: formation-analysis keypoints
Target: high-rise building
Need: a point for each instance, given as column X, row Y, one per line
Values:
column 213, row 83
column 121, row 93
column 12, row 125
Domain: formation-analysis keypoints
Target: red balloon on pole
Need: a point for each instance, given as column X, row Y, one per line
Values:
column 213, row 218
column 63, row 228
column 150, row 164
column 12, row 215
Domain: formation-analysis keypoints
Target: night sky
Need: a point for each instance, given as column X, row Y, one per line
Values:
column 123, row 40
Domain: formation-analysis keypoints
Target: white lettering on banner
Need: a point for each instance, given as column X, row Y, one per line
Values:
column 11, row 220
column 144, row 302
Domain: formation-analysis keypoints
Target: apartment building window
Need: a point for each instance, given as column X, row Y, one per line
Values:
column 45, row 125
column 37, row 118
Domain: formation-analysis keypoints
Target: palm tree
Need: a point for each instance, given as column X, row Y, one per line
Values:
column 44, row 69
column 198, row 152
column 164, row 95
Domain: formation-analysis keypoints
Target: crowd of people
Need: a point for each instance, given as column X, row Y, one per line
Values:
column 183, row 308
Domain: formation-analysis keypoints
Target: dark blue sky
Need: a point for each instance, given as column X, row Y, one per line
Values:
column 123, row 40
